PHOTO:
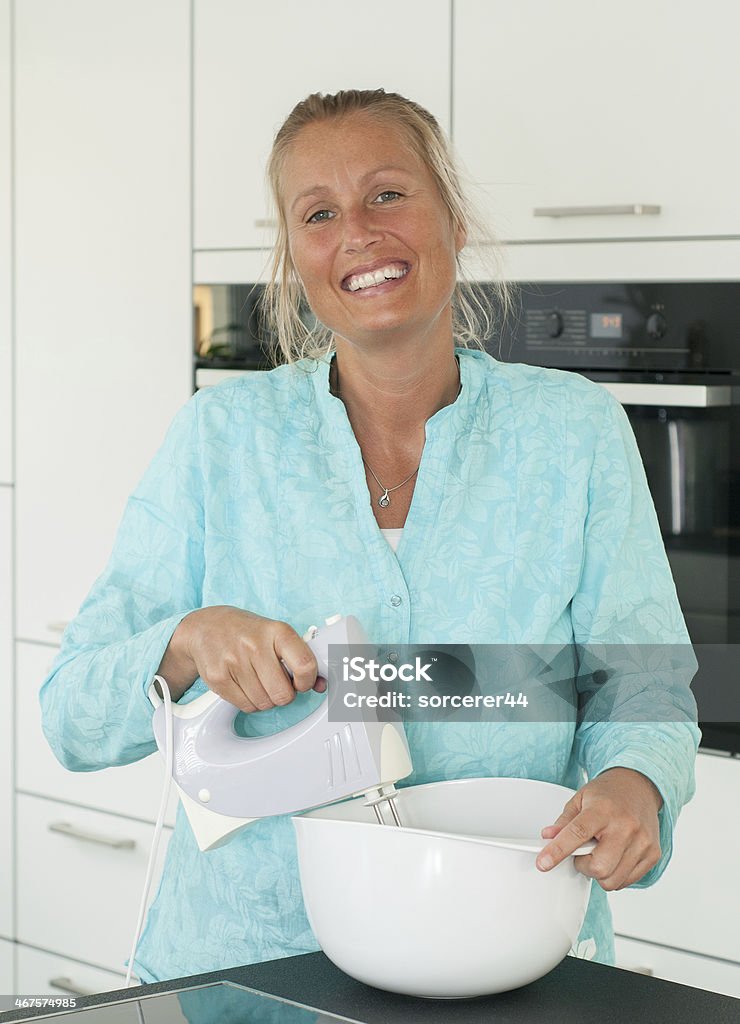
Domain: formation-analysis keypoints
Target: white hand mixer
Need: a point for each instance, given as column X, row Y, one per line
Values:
column 226, row 781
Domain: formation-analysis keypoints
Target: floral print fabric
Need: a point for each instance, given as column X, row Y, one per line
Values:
column 531, row 522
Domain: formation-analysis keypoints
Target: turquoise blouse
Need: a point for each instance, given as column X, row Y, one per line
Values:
column 531, row 522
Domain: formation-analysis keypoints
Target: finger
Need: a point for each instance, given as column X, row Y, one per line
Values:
column 252, row 694
column 639, row 871
column 238, row 685
column 606, row 864
column 609, row 880
column 577, row 832
column 636, row 863
column 571, row 809
column 273, row 680
column 297, row 658
column 550, row 831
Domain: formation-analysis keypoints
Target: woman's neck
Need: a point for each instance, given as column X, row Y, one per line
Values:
column 389, row 398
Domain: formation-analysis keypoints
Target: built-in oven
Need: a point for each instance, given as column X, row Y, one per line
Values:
column 670, row 353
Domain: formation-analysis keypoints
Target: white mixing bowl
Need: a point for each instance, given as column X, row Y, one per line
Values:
column 441, row 916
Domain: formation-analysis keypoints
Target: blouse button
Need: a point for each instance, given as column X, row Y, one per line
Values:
column 396, row 600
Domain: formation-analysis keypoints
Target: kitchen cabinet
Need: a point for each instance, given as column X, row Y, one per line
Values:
column 102, row 277
column 6, row 240
column 674, row 965
column 666, row 260
column 133, row 789
column 7, row 967
column 43, row 974
column 253, row 64
column 6, row 716
column 566, row 107
column 695, row 906
column 80, row 880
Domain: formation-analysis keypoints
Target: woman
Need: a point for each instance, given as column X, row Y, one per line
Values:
column 433, row 492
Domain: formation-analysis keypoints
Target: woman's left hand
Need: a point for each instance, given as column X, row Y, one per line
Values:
column 619, row 808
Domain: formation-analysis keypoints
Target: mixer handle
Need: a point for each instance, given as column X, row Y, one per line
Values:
column 337, row 629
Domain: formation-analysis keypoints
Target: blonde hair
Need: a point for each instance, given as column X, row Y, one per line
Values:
column 284, row 303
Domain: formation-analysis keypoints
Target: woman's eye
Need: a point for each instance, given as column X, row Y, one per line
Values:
column 384, row 197
column 319, row 216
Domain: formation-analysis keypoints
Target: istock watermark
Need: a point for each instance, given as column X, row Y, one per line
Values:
column 535, row 682
column 359, row 669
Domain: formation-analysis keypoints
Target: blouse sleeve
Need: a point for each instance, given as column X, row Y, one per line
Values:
column 95, row 712
column 636, row 708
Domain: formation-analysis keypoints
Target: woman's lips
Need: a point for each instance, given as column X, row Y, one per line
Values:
column 376, row 277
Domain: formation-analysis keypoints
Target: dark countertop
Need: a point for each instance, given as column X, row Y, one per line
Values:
column 575, row 992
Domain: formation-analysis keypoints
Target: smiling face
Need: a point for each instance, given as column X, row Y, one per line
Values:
column 369, row 235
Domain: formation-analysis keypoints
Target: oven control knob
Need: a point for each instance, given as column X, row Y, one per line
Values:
column 656, row 326
column 554, row 324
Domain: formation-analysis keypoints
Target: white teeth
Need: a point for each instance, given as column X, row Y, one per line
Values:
column 375, row 277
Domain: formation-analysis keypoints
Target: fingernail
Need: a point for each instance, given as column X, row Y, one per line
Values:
column 544, row 863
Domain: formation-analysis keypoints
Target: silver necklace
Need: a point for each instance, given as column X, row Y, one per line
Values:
column 384, row 499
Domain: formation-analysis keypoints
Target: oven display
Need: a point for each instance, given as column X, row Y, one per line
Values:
column 606, row 325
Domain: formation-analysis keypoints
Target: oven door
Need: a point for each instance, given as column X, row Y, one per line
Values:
column 689, row 439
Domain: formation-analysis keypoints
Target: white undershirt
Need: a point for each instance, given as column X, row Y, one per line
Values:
column 393, row 537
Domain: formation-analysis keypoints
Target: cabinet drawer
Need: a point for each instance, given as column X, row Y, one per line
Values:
column 80, row 878
column 6, row 721
column 696, row 904
column 7, row 967
column 6, row 248
column 676, row 965
column 41, row 974
column 133, row 790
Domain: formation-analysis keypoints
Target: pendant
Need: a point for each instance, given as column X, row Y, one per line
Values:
column 384, row 501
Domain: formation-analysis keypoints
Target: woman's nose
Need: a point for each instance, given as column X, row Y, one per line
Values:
column 360, row 229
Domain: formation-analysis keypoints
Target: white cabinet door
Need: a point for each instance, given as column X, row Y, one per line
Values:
column 134, row 789
column 695, row 906
column 103, row 278
column 7, row 972
column 674, row 965
column 254, row 62
column 6, row 307
column 49, row 974
column 6, row 717
column 585, row 105
column 80, row 878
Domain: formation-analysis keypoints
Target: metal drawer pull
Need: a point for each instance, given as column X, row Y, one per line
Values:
column 67, row 985
column 629, row 209
column 58, row 626
column 678, row 396
column 91, row 837
column 266, row 222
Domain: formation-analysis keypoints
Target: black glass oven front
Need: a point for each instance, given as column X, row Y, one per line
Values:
column 671, row 353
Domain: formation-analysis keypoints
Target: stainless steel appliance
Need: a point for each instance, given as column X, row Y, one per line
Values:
column 670, row 352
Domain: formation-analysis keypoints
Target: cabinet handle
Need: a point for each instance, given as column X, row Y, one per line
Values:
column 66, row 829
column 67, row 985
column 630, row 210
column 58, row 626
column 266, row 222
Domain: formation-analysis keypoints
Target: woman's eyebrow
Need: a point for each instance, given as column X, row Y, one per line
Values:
column 321, row 190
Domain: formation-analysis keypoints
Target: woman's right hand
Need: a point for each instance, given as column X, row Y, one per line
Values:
column 238, row 655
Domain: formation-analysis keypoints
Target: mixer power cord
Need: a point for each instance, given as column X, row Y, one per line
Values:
column 169, row 757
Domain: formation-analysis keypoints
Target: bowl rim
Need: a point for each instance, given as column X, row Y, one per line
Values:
column 313, row 815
